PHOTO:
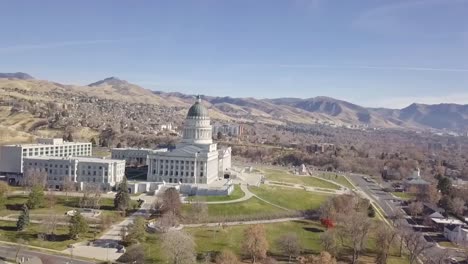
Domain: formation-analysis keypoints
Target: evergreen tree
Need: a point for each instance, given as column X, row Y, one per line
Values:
column 122, row 198
column 93, row 142
column 78, row 225
column 23, row 219
column 36, row 197
column 444, row 185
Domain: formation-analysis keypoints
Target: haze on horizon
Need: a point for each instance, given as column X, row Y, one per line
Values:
column 372, row 53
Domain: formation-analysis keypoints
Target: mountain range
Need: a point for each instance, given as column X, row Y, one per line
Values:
column 316, row 110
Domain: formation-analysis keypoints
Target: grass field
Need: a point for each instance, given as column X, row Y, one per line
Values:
column 63, row 204
column 211, row 240
column 336, row 178
column 237, row 193
column 214, row 239
column 246, row 210
column 294, row 199
column 30, row 235
column 283, row 176
column 404, row 195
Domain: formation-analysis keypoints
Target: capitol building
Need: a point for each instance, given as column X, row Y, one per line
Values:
column 196, row 159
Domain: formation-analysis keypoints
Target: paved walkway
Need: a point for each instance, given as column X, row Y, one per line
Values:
column 253, row 222
column 104, row 248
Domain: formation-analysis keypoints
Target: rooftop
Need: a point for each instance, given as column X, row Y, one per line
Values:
column 81, row 159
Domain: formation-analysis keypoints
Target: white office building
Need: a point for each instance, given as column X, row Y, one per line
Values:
column 105, row 173
column 11, row 156
column 196, row 159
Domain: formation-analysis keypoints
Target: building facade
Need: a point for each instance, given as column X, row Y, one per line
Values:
column 133, row 156
column 11, row 156
column 232, row 130
column 196, row 159
column 105, row 173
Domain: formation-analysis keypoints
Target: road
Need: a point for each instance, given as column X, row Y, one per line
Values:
column 9, row 252
column 390, row 204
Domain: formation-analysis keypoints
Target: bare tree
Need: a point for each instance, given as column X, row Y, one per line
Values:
column 385, row 236
column 458, row 206
column 329, row 243
column 289, row 245
column 415, row 243
column 323, row 258
column 179, row 247
column 171, row 201
column 415, row 208
column 353, row 230
column 168, row 220
column 227, row 257
column 33, row 178
column 198, row 212
column 255, row 242
column 68, row 186
column 134, row 254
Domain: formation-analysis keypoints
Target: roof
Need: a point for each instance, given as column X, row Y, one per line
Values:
column 447, row 221
column 198, row 110
column 80, row 159
column 417, row 181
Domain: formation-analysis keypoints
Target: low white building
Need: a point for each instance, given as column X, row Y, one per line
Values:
column 196, row 159
column 232, row 130
column 134, row 156
column 11, row 156
column 457, row 234
column 81, row 170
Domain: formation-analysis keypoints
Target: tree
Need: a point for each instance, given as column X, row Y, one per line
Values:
column 122, row 197
column 353, row 230
column 179, row 247
column 171, row 202
column 226, row 257
column 415, row 208
column 384, row 238
column 458, row 206
column 168, row 220
column 93, row 142
column 198, row 212
column 69, row 137
column 77, row 226
column 4, row 189
column 290, row 246
column 33, row 178
column 415, row 244
column 444, row 185
column 429, row 195
column 136, row 231
column 134, row 254
column 36, row 197
column 68, row 186
column 23, row 219
column 329, row 242
column 370, row 211
column 323, row 258
column 255, row 242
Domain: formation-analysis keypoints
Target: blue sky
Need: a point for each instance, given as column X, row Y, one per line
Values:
column 374, row 53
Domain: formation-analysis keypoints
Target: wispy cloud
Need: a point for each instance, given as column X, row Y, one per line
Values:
column 52, row 45
column 370, row 67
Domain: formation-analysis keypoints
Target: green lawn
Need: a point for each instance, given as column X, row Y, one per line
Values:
column 236, row 194
column 284, row 176
column 63, row 204
column 214, row 239
column 30, row 235
column 336, row 178
column 294, row 199
column 404, row 195
column 246, row 210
